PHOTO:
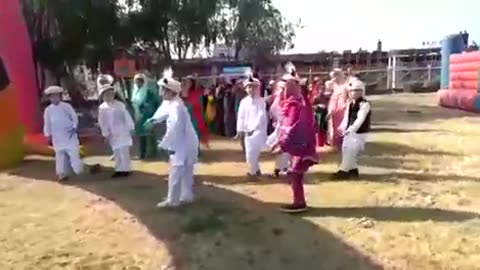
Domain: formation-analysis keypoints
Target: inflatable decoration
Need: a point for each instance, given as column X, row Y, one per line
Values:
column 11, row 130
column 460, row 87
column 20, row 115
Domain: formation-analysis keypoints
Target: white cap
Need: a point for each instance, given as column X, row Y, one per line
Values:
column 103, row 88
column 104, row 79
column 356, row 84
column 53, row 90
column 140, row 76
column 170, row 84
column 303, row 81
column 288, row 77
column 251, row 81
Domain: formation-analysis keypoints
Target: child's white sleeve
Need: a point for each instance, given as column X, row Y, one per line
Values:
column 241, row 125
column 73, row 115
column 176, row 121
column 261, row 117
column 162, row 112
column 102, row 122
column 47, row 129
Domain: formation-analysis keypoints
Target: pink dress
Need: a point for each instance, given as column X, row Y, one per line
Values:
column 297, row 134
column 336, row 109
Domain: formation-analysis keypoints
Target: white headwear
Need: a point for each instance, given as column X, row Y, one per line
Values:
column 168, row 82
column 140, row 76
column 53, row 90
column 103, row 88
column 290, row 72
column 104, row 79
column 250, row 81
column 335, row 72
column 356, row 84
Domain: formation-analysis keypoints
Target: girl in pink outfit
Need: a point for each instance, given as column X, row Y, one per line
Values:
column 336, row 107
column 297, row 138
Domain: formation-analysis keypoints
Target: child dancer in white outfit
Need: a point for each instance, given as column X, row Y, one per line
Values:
column 60, row 127
column 180, row 140
column 355, row 127
column 117, row 127
column 282, row 160
column 252, row 125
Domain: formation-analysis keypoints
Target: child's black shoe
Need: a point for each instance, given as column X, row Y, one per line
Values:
column 353, row 174
column 120, row 174
column 340, row 175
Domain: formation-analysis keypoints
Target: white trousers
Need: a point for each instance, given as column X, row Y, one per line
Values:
column 121, row 156
column 353, row 145
column 282, row 161
column 253, row 148
column 68, row 160
column 180, row 183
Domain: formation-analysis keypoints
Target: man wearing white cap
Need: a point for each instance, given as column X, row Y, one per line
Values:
column 60, row 127
column 355, row 127
column 180, row 140
column 252, row 123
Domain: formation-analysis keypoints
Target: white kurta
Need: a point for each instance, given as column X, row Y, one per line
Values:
column 282, row 159
column 353, row 142
column 117, row 126
column 181, row 141
column 60, row 124
column 252, row 118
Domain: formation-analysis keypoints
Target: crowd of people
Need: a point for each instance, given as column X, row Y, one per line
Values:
column 290, row 117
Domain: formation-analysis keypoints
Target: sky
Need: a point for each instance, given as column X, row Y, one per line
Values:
column 353, row 24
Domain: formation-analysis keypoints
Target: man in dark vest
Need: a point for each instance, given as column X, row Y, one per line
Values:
column 355, row 127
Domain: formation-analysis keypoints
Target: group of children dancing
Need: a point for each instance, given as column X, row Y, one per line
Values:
column 337, row 115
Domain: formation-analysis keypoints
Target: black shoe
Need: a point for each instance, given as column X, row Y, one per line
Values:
column 276, row 173
column 340, row 175
column 294, row 208
column 353, row 174
column 63, row 179
column 120, row 174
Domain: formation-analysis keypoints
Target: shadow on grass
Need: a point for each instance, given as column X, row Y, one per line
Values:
column 412, row 111
column 322, row 177
column 401, row 214
column 384, row 129
column 222, row 230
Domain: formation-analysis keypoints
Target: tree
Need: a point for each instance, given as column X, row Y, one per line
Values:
column 255, row 26
column 175, row 27
column 66, row 33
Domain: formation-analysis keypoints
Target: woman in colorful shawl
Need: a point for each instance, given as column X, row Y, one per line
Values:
column 219, row 112
column 210, row 110
column 297, row 138
column 320, row 105
column 145, row 102
column 193, row 98
column 229, row 116
column 336, row 107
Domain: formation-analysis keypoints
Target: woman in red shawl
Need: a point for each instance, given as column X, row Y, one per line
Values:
column 193, row 99
column 297, row 138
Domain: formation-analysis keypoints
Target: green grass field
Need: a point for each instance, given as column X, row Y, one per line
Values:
column 415, row 207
